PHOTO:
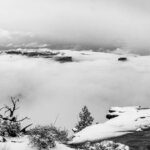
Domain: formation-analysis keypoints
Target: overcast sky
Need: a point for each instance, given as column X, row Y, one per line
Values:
column 92, row 23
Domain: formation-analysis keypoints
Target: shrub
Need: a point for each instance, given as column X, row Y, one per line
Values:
column 45, row 136
column 11, row 129
column 58, row 134
column 41, row 138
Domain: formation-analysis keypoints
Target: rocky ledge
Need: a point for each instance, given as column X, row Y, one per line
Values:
column 126, row 125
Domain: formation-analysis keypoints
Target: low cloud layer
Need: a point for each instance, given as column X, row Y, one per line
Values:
column 91, row 24
column 48, row 89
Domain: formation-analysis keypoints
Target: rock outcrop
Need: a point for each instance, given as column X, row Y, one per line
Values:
column 55, row 55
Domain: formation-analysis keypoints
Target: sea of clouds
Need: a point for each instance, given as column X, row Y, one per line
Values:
column 49, row 89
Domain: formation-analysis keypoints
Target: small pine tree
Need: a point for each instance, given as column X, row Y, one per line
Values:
column 85, row 119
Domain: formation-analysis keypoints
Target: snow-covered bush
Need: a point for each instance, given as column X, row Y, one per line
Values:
column 41, row 138
column 11, row 129
column 58, row 134
column 45, row 136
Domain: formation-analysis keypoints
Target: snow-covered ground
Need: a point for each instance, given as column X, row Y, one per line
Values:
column 129, row 120
column 61, row 147
column 24, row 144
column 19, row 144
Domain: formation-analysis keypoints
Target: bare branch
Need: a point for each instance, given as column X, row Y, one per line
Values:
column 12, row 109
column 4, row 118
column 14, row 102
column 23, row 119
column 56, row 119
column 7, row 109
column 24, row 129
column 2, row 108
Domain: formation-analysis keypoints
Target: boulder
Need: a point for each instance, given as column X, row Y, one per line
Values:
column 122, row 59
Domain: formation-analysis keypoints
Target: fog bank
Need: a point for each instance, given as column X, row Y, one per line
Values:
column 48, row 89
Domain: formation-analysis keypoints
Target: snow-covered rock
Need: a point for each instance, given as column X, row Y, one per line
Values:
column 74, row 130
column 108, row 145
column 117, row 111
column 104, row 145
column 129, row 120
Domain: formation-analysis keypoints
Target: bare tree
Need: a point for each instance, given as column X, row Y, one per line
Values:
column 11, row 118
column 12, row 109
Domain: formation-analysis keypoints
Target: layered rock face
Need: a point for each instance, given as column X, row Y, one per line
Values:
column 43, row 53
column 127, row 125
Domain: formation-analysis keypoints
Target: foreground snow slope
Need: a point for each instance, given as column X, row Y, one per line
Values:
column 23, row 144
column 19, row 144
column 129, row 120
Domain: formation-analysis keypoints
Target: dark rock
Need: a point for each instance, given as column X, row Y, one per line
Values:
column 64, row 59
column 110, row 116
column 14, row 52
column 32, row 53
column 122, row 59
column 41, row 54
column 111, row 111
